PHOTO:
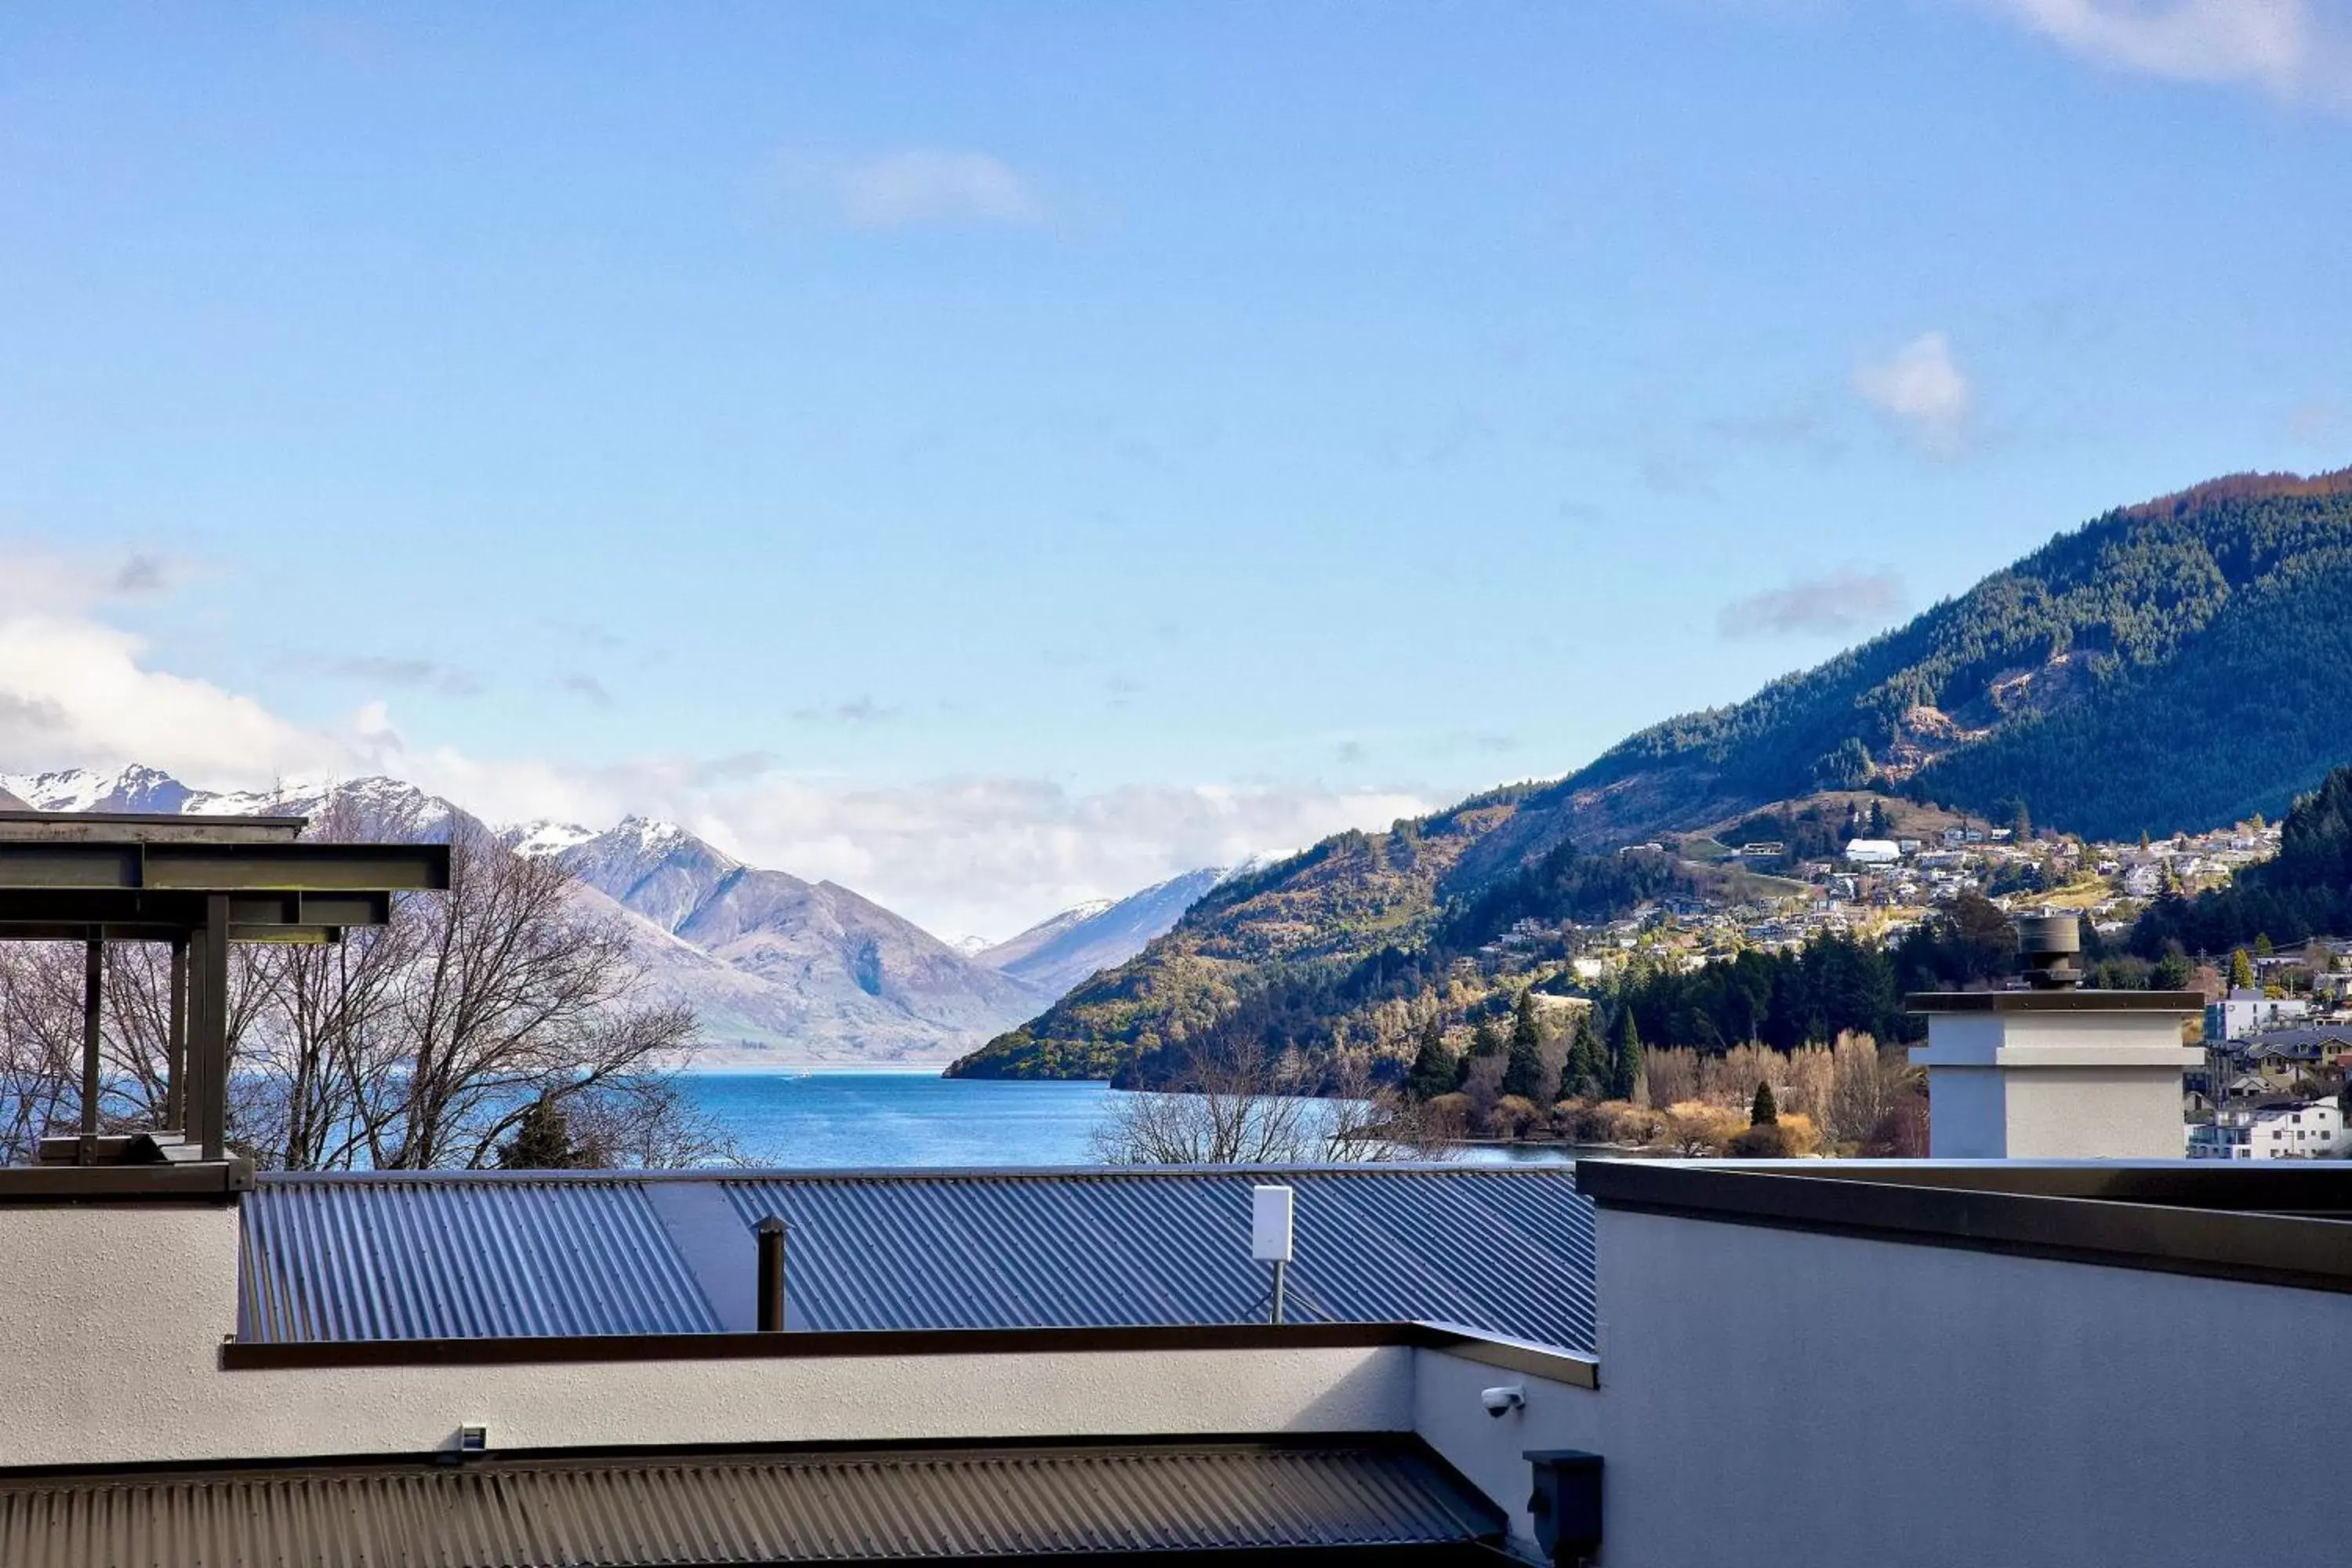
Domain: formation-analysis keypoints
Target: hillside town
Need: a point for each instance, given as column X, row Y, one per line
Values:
column 2276, row 1026
column 1881, row 873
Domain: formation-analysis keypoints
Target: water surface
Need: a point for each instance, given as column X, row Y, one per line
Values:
column 850, row 1120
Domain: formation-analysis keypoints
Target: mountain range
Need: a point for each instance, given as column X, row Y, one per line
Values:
column 2164, row 667
column 778, row 969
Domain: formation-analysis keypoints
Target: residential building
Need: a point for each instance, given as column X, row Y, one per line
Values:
column 2311, row 1130
column 2243, row 1012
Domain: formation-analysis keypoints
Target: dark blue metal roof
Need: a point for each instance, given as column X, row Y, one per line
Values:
column 1504, row 1251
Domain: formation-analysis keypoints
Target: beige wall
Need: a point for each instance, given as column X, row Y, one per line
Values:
column 1777, row 1397
column 113, row 1319
column 1490, row 1450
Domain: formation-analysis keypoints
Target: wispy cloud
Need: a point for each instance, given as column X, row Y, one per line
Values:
column 1840, row 602
column 412, row 675
column 856, row 711
column 2292, row 48
column 913, row 187
column 586, row 688
column 1922, row 389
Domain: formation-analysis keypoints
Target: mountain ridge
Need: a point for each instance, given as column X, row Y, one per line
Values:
column 2124, row 676
column 779, row 968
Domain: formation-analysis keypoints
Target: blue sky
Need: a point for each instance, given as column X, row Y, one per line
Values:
column 993, row 456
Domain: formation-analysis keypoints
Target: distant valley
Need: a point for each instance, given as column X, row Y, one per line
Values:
column 779, row 970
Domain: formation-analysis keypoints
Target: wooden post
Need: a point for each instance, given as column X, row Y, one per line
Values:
column 212, row 1037
column 93, row 982
column 175, row 1044
column 187, row 1103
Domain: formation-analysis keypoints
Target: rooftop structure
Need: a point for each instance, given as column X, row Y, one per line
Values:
column 464, row 1255
column 196, row 884
column 2054, row 1071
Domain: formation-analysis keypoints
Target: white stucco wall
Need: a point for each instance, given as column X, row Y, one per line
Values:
column 1490, row 1450
column 1775, row 1396
column 2054, row 1086
column 112, row 1320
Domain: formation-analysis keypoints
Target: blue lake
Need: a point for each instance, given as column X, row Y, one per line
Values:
column 846, row 1119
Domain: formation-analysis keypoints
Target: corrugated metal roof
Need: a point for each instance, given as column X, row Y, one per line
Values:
column 1505, row 1251
column 739, row 1508
column 459, row 1258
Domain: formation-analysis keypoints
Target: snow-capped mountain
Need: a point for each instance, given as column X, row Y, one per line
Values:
column 369, row 807
column 1056, row 954
column 778, row 969
column 846, row 976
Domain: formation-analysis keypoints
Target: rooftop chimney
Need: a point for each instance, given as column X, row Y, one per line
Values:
column 2054, row 1071
column 2048, row 947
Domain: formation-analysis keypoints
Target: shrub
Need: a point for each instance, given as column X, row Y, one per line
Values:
column 1760, row 1141
column 1513, row 1116
column 1693, row 1128
column 1446, row 1117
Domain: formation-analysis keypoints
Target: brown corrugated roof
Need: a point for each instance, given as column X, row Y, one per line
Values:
column 867, row 1504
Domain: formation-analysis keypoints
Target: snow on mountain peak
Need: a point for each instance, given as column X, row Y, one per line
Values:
column 536, row 839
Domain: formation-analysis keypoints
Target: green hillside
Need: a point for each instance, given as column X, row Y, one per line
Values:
column 2164, row 667
column 2304, row 890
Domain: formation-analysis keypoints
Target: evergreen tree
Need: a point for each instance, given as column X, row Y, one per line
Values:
column 1763, row 1112
column 1881, row 827
column 2262, row 945
column 1483, row 1042
column 542, row 1141
column 1586, row 1067
column 1624, row 1055
column 2172, row 973
column 1434, row 1067
column 1523, row 1074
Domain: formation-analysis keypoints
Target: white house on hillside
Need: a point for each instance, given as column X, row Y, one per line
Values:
column 2311, row 1131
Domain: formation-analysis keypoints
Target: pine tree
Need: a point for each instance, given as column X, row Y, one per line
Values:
column 542, row 1141
column 1588, row 1060
column 1880, row 826
column 1483, row 1042
column 1763, row 1112
column 1434, row 1067
column 1523, row 1074
column 1624, row 1055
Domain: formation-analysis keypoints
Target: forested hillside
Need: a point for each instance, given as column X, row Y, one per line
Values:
column 2304, row 890
column 2162, row 667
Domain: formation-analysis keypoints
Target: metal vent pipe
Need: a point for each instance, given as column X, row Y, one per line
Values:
column 771, row 1231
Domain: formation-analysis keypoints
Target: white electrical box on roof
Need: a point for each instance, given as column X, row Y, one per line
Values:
column 1270, row 1224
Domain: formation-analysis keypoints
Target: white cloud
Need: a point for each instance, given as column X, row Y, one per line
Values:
column 2290, row 47
column 1920, row 387
column 989, row 855
column 1840, row 602
column 916, row 187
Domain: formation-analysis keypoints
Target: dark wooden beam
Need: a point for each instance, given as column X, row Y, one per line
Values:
column 93, row 985
column 212, row 1041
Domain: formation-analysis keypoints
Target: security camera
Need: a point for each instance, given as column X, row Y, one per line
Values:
column 1499, row 1401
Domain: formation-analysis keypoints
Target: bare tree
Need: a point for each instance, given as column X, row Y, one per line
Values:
column 40, row 1046
column 512, row 994
column 420, row 1043
column 1232, row 1104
